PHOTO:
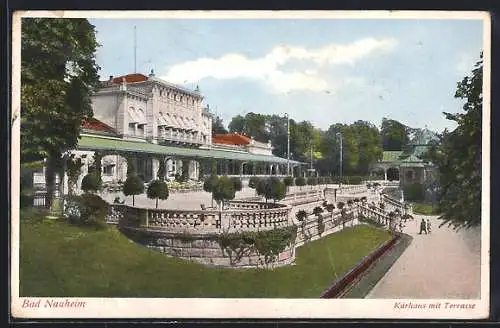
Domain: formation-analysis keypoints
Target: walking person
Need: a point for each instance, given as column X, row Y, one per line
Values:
column 423, row 227
column 428, row 226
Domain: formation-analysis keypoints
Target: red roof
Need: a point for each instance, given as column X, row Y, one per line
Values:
column 231, row 139
column 130, row 78
column 96, row 125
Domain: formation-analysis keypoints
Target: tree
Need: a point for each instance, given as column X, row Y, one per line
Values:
column 300, row 182
column 133, row 186
column 58, row 76
column 312, row 181
column 237, row 183
column 458, row 157
column 91, row 182
column 394, row 135
column 288, row 181
column 223, row 190
column 301, row 215
column 252, row 183
column 271, row 188
column 218, row 126
column 275, row 190
column 157, row 189
column 209, row 185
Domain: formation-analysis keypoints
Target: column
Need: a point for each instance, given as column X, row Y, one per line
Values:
column 155, row 167
column 385, row 174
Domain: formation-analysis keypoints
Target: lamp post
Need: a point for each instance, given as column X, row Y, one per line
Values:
column 340, row 136
column 287, row 144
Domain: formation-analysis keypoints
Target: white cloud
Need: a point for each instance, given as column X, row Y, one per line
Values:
column 268, row 67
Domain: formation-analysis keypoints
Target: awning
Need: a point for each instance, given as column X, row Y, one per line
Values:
column 111, row 144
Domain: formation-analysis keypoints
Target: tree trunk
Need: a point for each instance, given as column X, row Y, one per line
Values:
column 156, row 202
column 133, row 200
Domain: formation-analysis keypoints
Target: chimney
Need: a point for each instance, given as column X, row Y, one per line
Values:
column 111, row 77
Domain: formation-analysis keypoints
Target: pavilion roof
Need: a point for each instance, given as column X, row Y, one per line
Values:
column 90, row 142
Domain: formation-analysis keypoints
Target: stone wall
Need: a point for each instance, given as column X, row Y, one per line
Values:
column 203, row 249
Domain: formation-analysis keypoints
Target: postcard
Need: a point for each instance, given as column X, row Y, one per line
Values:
column 251, row 164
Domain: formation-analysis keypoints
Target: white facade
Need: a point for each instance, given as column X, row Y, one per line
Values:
column 153, row 110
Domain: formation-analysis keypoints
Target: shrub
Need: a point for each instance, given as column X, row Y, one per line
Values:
column 271, row 188
column 340, row 205
column 354, row 179
column 237, row 184
column 312, row 181
column 317, row 210
column 133, row 186
column 253, row 182
column 157, row 189
column 349, row 202
column 324, row 203
column 223, row 190
column 414, row 192
column 209, row 183
column 330, row 207
column 91, row 182
column 300, row 181
column 288, row 181
column 87, row 209
column 321, row 180
column 301, row 215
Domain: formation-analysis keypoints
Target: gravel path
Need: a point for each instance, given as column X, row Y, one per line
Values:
column 444, row 264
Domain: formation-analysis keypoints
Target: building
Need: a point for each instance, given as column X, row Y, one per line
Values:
column 408, row 166
column 154, row 120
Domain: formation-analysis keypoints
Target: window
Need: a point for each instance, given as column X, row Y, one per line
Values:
column 140, row 130
column 131, row 129
column 108, row 169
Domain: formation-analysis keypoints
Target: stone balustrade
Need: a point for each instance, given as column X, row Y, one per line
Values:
column 239, row 216
column 333, row 222
column 396, row 204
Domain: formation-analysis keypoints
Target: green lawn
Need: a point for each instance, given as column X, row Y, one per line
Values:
column 425, row 209
column 58, row 259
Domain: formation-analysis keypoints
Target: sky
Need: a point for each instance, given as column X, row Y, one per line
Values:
column 325, row 71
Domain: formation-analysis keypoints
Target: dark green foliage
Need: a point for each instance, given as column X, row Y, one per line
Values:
column 301, row 215
column 58, row 76
column 394, row 135
column 312, row 181
column 87, row 209
column 133, row 186
column 330, row 207
column 209, row 183
column 91, row 182
column 223, row 189
column 157, row 189
column 300, row 181
column 252, row 183
column 458, row 156
column 288, row 181
column 268, row 243
column 414, row 192
column 317, row 210
column 237, row 183
column 218, row 126
column 271, row 188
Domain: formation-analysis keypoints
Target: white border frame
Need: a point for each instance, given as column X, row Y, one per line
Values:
column 249, row 308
